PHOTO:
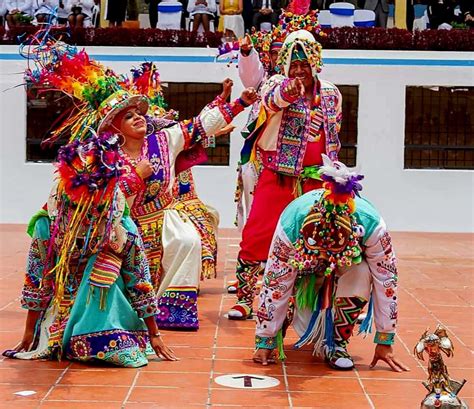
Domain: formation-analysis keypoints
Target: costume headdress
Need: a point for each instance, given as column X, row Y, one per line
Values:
column 99, row 94
column 296, row 17
column 312, row 49
column 86, row 206
column 329, row 234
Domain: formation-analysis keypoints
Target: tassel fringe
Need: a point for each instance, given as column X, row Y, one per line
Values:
column 366, row 326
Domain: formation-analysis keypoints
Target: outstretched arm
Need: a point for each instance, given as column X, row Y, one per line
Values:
column 279, row 92
column 382, row 263
column 251, row 71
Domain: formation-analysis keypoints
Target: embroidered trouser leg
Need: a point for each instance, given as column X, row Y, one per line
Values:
column 346, row 312
column 247, row 275
column 352, row 294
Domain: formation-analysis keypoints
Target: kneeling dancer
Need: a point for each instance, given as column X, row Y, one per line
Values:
column 330, row 254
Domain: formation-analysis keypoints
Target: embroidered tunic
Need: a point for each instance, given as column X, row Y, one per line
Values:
column 172, row 245
column 280, row 276
column 79, row 328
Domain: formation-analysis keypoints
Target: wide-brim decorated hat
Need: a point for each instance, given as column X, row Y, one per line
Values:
column 116, row 103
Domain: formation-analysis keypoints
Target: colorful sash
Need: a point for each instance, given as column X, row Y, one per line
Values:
column 158, row 155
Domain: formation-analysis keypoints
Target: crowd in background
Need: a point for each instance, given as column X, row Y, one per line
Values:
column 233, row 17
column 247, row 14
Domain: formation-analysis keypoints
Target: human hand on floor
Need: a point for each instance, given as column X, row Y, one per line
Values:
column 385, row 353
column 161, row 350
column 264, row 356
column 26, row 342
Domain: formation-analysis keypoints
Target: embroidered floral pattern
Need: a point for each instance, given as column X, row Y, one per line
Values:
column 265, row 342
column 118, row 347
column 178, row 309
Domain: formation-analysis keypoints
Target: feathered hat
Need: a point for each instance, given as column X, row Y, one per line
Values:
column 98, row 93
column 86, row 206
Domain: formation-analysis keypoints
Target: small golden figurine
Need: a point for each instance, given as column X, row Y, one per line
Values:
column 442, row 391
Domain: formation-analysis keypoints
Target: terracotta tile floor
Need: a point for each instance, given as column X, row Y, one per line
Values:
column 436, row 286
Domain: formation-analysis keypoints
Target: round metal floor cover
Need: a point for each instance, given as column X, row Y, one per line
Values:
column 247, row 381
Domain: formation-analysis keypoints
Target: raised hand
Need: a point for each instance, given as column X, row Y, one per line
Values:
column 246, row 45
column 249, row 96
column 295, row 88
column 227, row 85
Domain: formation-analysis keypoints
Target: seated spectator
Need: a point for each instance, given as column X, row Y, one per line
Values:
column 231, row 22
column 116, row 10
column 19, row 12
column 201, row 12
column 265, row 11
column 380, row 8
column 441, row 13
column 467, row 12
column 45, row 10
column 3, row 11
column 95, row 14
column 79, row 10
column 63, row 13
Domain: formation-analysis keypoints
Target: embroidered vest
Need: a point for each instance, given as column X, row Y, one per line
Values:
column 294, row 131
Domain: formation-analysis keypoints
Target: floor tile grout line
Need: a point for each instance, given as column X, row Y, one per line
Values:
column 134, row 382
column 214, row 348
column 411, row 354
column 367, row 396
column 437, row 319
column 10, row 303
column 287, row 386
column 55, row 384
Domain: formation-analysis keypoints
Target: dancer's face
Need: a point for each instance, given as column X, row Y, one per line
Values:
column 274, row 57
column 131, row 123
column 302, row 69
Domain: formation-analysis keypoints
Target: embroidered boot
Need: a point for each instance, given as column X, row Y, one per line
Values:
column 347, row 310
column 247, row 274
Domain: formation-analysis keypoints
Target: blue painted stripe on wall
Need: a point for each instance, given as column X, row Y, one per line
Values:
column 328, row 61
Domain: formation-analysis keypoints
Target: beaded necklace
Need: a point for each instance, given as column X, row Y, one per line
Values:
column 143, row 154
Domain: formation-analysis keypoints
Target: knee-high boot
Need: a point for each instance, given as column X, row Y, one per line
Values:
column 346, row 312
column 247, row 275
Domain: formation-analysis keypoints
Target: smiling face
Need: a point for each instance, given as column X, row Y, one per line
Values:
column 131, row 123
column 302, row 69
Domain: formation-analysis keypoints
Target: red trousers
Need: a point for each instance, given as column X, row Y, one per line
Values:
column 272, row 194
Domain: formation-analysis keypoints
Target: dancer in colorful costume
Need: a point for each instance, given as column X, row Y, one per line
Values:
column 87, row 287
column 205, row 219
column 332, row 252
column 303, row 122
column 150, row 150
column 257, row 61
column 150, row 147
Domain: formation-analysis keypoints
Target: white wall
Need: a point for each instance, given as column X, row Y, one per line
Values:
column 409, row 200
